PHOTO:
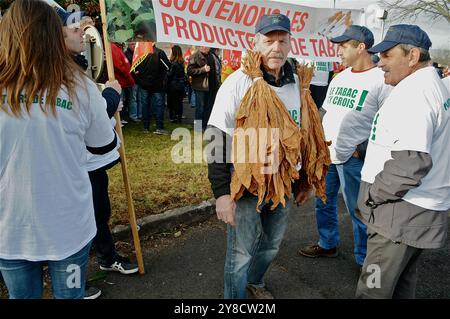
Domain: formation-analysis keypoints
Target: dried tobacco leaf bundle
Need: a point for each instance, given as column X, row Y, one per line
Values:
column 266, row 142
column 315, row 152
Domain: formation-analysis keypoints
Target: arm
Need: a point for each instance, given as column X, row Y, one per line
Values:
column 302, row 189
column 194, row 68
column 354, row 132
column 99, row 137
column 219, row 175
column 403, row 172
column 112, row 99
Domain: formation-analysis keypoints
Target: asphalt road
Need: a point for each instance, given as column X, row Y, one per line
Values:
column 190, row 266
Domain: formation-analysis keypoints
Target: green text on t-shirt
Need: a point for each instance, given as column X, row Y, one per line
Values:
column 60, row 102
column 346, row 97
column 295, row 116
column 374, row 127
column 447, row 105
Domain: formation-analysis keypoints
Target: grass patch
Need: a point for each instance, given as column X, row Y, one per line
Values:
column 157, row 183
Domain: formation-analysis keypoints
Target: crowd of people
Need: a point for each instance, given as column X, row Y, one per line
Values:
column 57, row 141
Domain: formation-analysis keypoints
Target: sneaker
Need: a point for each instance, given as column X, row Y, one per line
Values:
column 91, row 292
column 123, row 122
column 161, row 132
column 314, row 251
column 146, row 130
column 135, row 119
column 122, row 265
column 259, row 292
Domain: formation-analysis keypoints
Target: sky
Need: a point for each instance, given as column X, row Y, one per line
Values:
column 439, row 32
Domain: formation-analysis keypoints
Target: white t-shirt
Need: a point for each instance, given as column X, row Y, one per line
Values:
column 446, row 81
column 321, row 73
column 352, row 100
column 233, row 90
column 415, row 117
column 95, row 161
column 46, row 208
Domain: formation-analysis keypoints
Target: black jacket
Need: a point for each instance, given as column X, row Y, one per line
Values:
column 176, row 79
column 151, row 73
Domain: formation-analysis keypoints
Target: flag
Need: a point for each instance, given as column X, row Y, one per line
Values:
column 231, row 61
column 141, row 51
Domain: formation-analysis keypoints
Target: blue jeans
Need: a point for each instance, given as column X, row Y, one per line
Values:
column 24, row 279
column 202, row 107
column 133, row 102
column 152, row 103
column 252, row 245
column 347, row 175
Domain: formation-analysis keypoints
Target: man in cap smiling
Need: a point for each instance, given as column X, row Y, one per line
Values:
column 404, row 198
column 353, row 98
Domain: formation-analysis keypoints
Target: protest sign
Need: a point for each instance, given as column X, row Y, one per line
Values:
column 230, row 24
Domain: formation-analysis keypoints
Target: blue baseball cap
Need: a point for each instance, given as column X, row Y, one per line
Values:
column 358, row 33
column 273, row 22
column 403, row 34
column 69, row 18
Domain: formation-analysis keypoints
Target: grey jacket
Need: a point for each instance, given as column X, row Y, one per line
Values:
column 394, row 218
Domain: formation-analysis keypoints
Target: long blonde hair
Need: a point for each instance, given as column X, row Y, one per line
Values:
column 33, row 57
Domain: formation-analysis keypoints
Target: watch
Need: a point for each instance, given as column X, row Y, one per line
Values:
column 371, row 204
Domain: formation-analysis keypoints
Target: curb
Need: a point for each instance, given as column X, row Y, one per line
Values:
column 166, row 221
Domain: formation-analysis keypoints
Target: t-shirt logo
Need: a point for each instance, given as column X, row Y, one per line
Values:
column 347, row 97
column 294, row 114
column 374, row 127
column 447, row 105
column 62, row 103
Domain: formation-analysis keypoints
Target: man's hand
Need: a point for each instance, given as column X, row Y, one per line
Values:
column 86, row 21
column 114, row 85
column 120, row 107
column 303, row 195
column 226, row 209
column 207, row 68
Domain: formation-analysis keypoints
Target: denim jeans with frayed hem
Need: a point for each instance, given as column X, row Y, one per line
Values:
column 24, row 279
column 348, row 176
column 252, row 245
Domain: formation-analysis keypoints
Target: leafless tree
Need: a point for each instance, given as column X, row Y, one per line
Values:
column 411, row 9
column 441, row 56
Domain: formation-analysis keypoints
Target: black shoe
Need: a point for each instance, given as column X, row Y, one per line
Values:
column 122, row 265
column 91, row 292
column 314, row 251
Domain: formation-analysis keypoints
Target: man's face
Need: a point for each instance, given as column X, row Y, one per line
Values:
column 395, row 64
column 73, row 37
column 274, row 47
column 204, row 50
column 348, row 54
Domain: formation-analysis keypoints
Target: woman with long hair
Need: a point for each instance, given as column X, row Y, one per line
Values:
column 47, row 120
column 176, row 85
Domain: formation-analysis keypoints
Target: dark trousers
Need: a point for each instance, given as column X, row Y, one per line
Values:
column 318, row 93
column 103, row 241
column 175, row 104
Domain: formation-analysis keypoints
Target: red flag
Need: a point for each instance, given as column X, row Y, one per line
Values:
column 231, row 61
column 141, row 51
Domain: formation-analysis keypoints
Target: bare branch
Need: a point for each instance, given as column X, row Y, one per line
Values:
column 408, row 9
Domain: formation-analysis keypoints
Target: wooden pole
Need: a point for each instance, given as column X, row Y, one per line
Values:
column 131, row 212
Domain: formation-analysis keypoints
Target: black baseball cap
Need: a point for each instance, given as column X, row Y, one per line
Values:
column 403, row 34
column 358, row 33
column 273, row 22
